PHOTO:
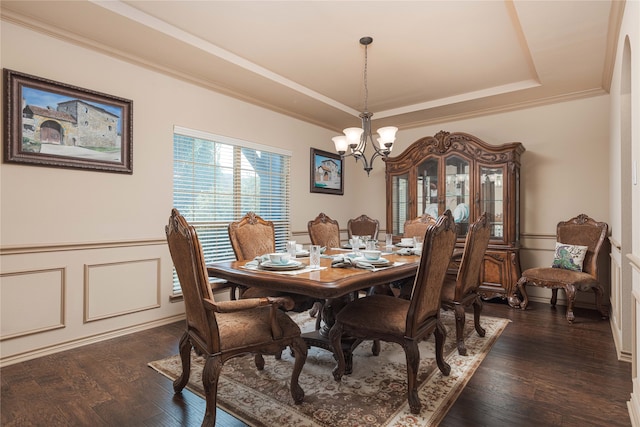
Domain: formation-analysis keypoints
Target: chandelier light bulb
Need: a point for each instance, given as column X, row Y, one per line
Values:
column 383, row 147
column 353, row 136
column 387, row 135
column 341, row 143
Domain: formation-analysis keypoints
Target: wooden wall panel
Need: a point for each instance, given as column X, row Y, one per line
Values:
column 31, row 302
column 113, row 289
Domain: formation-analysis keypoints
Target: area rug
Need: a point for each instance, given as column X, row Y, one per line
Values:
column 375, row 394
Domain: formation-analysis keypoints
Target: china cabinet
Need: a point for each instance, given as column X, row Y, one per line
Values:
column 460, row 172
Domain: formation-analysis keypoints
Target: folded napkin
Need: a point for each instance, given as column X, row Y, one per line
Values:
column 257, row 261
column 343, row 262
column 409, row 251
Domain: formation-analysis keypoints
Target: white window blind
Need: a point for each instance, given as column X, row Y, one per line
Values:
column 217, row 180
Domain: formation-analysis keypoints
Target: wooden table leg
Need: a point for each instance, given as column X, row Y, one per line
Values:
column 320, row 338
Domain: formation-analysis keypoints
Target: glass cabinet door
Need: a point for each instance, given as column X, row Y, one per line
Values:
column 427, row 188
column 458, row 192
column 492, row 199
column 399, row 202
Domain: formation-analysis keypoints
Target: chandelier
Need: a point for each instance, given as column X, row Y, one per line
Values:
column 355, row 139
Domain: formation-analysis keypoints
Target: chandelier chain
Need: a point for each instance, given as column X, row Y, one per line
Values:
column 366, row 85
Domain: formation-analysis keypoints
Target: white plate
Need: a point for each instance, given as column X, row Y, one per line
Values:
column 291, row 265
column 461, row 212
column 303, row 252
column 348, row 246
column 432, row 209
column 377, row 262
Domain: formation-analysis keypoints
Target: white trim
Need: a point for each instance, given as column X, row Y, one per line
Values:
column 82, row 341
column 229, row 140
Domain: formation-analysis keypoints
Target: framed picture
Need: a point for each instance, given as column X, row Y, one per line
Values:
column 327, row 174
column 54, row 124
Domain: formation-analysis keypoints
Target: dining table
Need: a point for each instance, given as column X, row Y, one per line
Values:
column 333, row 282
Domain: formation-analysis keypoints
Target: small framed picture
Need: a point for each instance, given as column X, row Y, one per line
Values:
column 327, row 174
column 58, row 125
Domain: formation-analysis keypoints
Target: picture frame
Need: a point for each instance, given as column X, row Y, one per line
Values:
column 327, row 172
column 54, row 124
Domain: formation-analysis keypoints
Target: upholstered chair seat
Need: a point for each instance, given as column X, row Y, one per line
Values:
column 246, row 328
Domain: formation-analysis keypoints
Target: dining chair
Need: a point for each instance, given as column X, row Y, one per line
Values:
column 405, row 322
column 418, row 226
column 363, row 226
column 579, row 241
column 251, row 237
column 324, row 231
column 412, row 227
column 460, row 288
column 219, row 331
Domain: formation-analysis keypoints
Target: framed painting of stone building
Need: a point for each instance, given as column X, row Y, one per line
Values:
column 327, row 174
column 55, row 124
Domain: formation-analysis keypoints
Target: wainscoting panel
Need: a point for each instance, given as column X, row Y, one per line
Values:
column 118, row 288
column 615, row 314
column 24, row 293
column 82, row 293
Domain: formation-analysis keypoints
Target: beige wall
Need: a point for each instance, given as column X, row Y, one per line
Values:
column 73, row 235
column 86, row 249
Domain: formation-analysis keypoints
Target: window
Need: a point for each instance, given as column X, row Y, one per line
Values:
column 217, row 180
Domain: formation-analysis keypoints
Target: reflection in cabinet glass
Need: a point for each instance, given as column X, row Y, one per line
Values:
column 460, row 172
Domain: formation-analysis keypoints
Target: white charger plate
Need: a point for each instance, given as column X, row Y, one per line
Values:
column 291, row 265
column 376, row 263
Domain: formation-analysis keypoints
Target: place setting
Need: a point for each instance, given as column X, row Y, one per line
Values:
column 283, row 262
column 369, row 259
column 410, row 246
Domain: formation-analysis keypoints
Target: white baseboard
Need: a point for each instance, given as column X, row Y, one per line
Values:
column 10, row 360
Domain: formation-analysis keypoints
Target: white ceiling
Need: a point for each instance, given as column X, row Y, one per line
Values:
column 430, row 61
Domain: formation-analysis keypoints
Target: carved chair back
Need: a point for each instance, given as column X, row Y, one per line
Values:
column 440, row 239
column 324, row 231
column 252, row 236
column 188, row 259
column 363, row 226
column 477, row 240
column 584, row 231
column 418, row 226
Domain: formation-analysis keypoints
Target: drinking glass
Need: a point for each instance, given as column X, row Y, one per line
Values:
column 371, row 245
column 417, row 242
column 355, row 244
column 314, row 256
column 291, row 248
column 388, row 239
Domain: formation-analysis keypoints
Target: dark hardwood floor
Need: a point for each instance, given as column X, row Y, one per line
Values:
column 541, row 372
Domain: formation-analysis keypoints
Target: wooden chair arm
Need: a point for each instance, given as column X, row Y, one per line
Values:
column 244, row 304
